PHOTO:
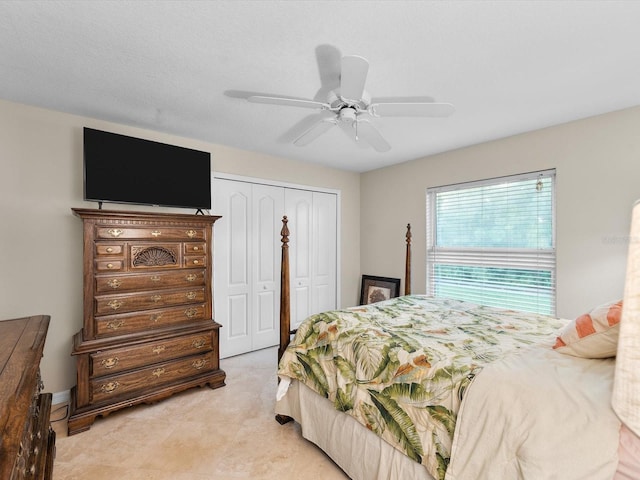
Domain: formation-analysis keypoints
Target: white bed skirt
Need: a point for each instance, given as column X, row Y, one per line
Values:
column 359, row 452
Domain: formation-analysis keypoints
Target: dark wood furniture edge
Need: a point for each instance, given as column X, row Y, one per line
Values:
column 25, row 414
column 82, row 419
column 81, row 346
column 407, row 263
column 188, row 217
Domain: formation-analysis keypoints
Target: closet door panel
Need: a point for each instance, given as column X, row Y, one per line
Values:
column 324, row 252
column 268, row 204
column 299, row 210
column 232, row 254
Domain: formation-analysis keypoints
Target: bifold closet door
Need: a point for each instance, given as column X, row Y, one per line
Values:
column 268, row 203
column 324, row 252
column 247, row 265
column 312, row 252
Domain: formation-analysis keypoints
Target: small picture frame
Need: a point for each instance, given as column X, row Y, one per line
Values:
column 376, row 289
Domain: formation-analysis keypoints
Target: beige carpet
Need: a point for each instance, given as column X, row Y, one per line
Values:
column 201, row 434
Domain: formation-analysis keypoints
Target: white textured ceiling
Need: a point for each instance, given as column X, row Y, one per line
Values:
column 182, row 67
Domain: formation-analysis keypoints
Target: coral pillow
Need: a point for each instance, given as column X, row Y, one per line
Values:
column 594, row 334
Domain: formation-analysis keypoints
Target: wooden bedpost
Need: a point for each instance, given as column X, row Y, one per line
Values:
column 285, row 306
column 407, row 264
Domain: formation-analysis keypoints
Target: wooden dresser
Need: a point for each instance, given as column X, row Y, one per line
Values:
column 27, row 445
column 148, row 329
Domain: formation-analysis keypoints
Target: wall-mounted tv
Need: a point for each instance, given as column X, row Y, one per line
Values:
column 122, row 169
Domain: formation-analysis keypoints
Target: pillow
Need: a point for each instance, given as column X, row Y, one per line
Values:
column 594, row 334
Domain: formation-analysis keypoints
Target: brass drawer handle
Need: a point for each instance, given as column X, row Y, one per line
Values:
column 109, row 362
column 115, row 324
column 158, row 372
column 115, row 232
column 155, row 278
column 191, row 312
column 199, row 364
column 109, row 249
column 109, row 387
column 191, row 277
column 115, row 304
column 196, row 248
column 196, row 262
column 114, row 283
column 198, row 343
column 191, row 233
column 191, row 295
column 156, row 298
column 159, row 349
column 156, row 233
column 110, row 265
column 155, row 317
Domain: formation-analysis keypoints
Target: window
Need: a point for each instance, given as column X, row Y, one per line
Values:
column 492, row 242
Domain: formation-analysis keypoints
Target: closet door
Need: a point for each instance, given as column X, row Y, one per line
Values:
column 312, row 252
column 299, row 211
column 247, row 265
column 232, row 265
column 268, row 204
column 324, row 252
column 247, row 252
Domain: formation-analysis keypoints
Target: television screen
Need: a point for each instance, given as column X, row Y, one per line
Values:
column 122, row 169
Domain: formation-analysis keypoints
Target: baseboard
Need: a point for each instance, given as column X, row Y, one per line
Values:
column 61, row 397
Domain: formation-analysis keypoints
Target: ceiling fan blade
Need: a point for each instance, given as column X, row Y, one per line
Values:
column 411, row 109
column 353, row 76
column 369, row 133
column 288, row 102
column 314, row 132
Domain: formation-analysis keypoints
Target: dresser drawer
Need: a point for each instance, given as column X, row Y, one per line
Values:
column 109, row 249
column 112, row 325
column 195, row 261
column 109, row 265
column 112, row 304
column 116, row 360
column 155, row 233
column 149, row 281
column 105, row 388
column 194, row 248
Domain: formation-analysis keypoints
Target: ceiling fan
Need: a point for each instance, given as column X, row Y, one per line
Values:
column 353, row 108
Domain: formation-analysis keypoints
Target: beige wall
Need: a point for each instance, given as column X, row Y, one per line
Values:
column 598, row 178
column 597, row 162
column 41, row 241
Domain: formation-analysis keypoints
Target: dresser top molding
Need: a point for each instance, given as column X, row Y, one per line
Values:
column 88, row 213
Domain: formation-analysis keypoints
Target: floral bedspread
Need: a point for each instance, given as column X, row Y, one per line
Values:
column 401, row 367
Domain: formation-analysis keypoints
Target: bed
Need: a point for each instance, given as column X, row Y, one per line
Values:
column 427, row 388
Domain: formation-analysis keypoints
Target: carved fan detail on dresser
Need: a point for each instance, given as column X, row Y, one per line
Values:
column 154, row 257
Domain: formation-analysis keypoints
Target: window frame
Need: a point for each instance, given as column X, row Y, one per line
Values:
column 540, row 259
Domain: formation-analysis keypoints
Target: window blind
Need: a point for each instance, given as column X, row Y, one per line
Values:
column 492, row 242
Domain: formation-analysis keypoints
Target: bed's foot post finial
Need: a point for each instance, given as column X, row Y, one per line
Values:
column 407, row 264
column 285, row 317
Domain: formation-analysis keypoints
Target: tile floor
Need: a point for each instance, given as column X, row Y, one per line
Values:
column 200, row 434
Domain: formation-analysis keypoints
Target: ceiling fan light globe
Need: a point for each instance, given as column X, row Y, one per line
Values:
column 348, row 114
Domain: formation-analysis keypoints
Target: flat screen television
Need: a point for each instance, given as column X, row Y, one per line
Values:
column 122, row 169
